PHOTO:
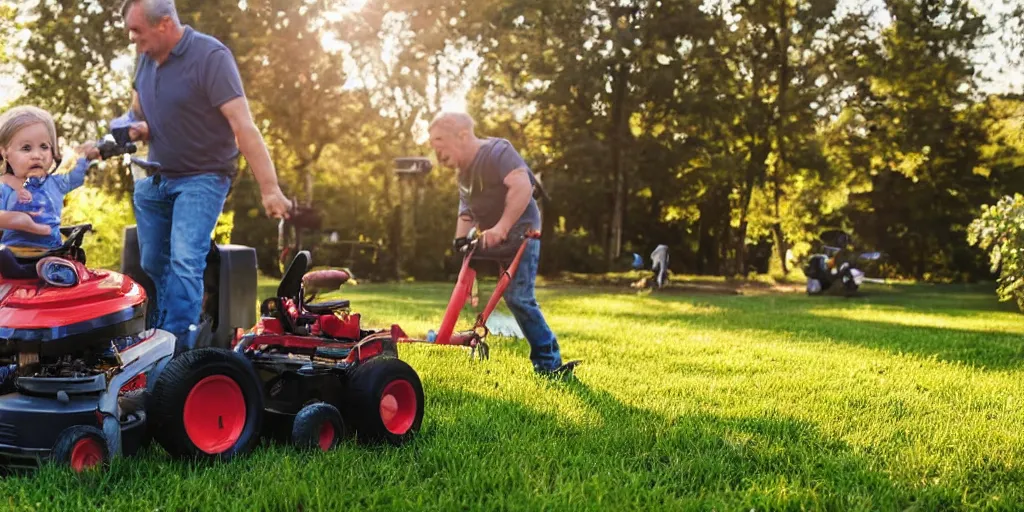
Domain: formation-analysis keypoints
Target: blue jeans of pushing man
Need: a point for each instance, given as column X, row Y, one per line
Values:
column 175, row 218
column 522, row 301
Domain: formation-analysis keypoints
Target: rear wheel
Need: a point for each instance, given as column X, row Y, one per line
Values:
column 386, row 401
column 207, row 403
column 81, row 447
column 319, row 426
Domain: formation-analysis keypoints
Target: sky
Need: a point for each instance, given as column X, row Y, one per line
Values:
column 1004, row 77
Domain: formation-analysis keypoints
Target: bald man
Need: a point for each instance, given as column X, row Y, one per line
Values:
column 495, row 195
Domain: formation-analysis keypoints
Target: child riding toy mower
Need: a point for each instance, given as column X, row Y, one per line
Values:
column 83, row 379
column 324, row 377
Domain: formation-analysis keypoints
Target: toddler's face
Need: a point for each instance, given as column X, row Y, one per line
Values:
column 30, row 152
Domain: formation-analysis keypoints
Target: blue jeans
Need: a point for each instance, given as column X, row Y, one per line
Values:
column 522, row 301
column 175, row 219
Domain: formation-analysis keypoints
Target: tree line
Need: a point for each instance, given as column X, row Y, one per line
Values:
column 734, row 132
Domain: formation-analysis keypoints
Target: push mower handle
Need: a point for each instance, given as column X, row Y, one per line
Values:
column 474, row 236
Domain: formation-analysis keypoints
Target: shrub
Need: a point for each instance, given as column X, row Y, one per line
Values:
column 1000, row 231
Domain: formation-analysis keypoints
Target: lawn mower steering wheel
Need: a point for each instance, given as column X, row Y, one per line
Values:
column 72, row 246
column 75, row 235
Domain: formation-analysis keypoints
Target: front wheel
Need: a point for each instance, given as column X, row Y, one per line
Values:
column 82, row 447
column 319, row 426
column 207, row 404
column 385, row 401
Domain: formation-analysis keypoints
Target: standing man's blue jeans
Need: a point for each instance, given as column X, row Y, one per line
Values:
column 522, row 301
column 175, row 219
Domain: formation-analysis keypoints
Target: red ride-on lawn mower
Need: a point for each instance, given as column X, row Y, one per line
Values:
column 324, row 377
column 83, row 379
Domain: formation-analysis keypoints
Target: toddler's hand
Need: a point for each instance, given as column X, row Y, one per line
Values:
column 24, row 196
column 88, row 150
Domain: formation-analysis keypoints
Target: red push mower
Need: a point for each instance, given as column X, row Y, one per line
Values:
column 507, row 255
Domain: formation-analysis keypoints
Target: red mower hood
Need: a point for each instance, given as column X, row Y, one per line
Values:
column 31, row 310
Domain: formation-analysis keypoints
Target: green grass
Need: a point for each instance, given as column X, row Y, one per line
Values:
column 906, row 398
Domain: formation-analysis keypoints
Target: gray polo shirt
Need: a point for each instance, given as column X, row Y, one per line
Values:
column 181, row 101
column 482, row 187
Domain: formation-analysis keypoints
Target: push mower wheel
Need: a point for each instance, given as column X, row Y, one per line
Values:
column 81, row 447
column 386, row 401
column 207, row 404
column 319, row 426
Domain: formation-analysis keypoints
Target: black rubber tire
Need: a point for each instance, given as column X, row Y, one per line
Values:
column 167, row 403
column 307, row 430
column 64, row 449
column 367, row 384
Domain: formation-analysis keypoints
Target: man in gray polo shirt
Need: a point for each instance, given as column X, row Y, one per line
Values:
column 189, row 105
column 496, row 195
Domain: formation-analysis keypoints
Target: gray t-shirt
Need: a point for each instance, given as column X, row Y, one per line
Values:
column 181, row 101
column 482, row 189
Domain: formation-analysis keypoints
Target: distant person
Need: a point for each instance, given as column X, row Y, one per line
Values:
column 659, row 265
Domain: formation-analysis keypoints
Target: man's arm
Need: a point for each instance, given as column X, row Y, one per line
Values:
column 464, row 224
column 137, row 107
column 250, row 143
column 520, row 190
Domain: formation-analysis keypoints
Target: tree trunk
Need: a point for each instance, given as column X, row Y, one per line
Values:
column 618, row 127
column 619, row 130
column 780, row 131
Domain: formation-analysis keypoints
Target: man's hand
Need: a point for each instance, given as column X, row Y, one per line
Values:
column 494, row 236
column 276, row 204
column 459, row 243
column 139, row 131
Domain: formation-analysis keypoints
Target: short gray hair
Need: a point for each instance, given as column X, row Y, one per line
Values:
column 453, row 122
column 155, row 10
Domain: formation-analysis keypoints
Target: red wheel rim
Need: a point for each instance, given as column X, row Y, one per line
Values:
column 214, row 414
column 326, row 436
column 398, row 406
column 86, row 453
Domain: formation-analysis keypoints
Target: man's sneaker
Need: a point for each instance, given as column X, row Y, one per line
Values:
column 57, row 271
column 564, row 372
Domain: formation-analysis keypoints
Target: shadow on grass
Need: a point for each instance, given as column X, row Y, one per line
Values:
column 616, row 456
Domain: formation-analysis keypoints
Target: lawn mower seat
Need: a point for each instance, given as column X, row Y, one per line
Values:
column 327, row 307
column 291, row 283
column 325, row 281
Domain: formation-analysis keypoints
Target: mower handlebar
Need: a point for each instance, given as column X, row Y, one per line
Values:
column 117, row 143
column 470, row 241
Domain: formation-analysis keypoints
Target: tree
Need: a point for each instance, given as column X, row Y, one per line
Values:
column 926, row 134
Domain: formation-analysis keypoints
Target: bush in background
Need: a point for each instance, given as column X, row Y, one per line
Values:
column 1000, row 231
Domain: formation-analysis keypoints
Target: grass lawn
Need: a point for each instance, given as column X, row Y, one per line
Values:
column 909, row 397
